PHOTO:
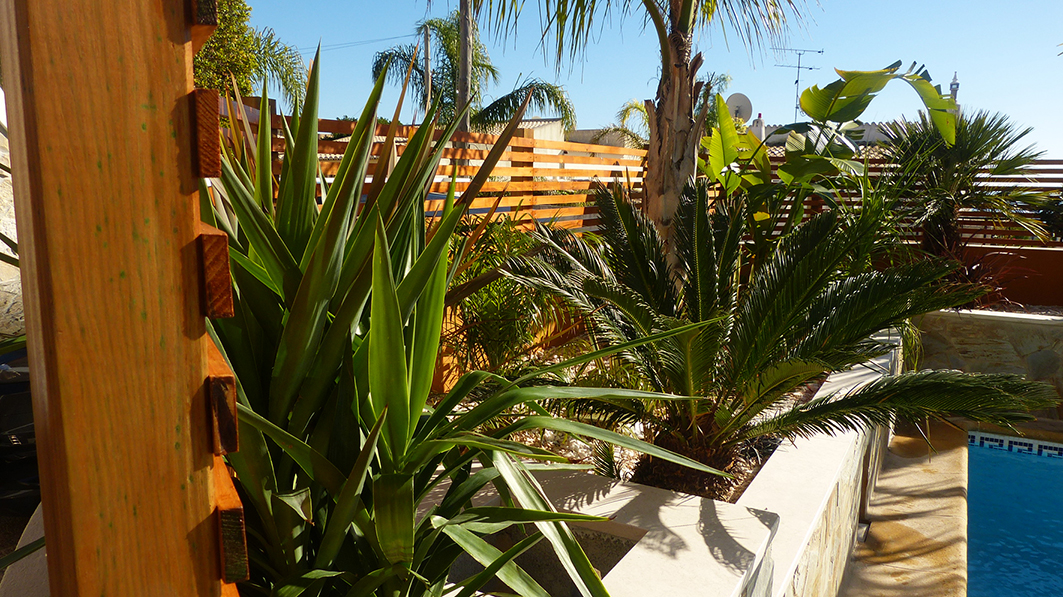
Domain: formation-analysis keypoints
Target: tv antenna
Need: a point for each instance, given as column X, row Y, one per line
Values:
column 797, row 83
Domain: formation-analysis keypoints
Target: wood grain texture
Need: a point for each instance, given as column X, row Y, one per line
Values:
column 221, row 387
column 101, row 139
column 229, row 512
column 208, row 142
column 217, row 283
column 204, row 22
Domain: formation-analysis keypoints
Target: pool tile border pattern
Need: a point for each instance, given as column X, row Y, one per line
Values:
column 1019, row 445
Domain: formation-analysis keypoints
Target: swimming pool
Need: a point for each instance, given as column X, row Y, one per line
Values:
column 1015, row 517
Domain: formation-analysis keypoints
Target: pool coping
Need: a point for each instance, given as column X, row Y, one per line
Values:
column 916, row 543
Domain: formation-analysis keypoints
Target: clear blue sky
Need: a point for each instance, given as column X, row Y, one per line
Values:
column 1005, row 54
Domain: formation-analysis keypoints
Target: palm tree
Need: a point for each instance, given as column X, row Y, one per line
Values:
column 943, row 179
column 813, row 307
column 676, row 121
column 237, row 50
column 546, row 97
column 633, row 121
column 632, row 126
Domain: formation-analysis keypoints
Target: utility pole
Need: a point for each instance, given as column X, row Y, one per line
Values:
column 797, row 83
column 465, row 31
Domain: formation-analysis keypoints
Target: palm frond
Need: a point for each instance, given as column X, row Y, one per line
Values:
column 545, row 98
column 627, row 136
column 281, row 65
column 941, row 180
column 989, row 398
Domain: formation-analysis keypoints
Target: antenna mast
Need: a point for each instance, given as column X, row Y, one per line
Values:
column 797, row 83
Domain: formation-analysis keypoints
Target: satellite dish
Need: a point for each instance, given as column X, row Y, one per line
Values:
column 739, row 106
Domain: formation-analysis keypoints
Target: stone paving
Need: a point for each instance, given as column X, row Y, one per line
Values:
column 916, row 544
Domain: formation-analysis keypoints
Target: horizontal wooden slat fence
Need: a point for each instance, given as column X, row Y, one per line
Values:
column 535, row 179
column 554, row 180
column 980, row 227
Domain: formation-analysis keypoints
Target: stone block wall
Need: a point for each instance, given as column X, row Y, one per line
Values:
column 12, row 322
column 994, row 342
column 816, row 486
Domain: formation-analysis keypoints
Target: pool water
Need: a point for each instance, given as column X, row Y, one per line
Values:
column 1015, row 524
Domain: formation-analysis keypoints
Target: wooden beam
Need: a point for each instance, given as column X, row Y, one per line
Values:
column 217, row 283
column 232, row 542
column 102, row 137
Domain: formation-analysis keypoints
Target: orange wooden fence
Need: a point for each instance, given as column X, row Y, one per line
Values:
column 554, row 180
column 535, row 178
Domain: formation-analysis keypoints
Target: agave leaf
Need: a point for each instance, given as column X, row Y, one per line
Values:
column 348, row 501
column 313, row 463
column 388, row 147
column 297, row 209
column 486, row 554
column 617, row 439
column 424, row 451
column 255, row 270
column 465, row 384
column 263, row 160
column 21, row 552
column 371, row 582
column 530, row 495
column 262, row 237
column 393, row 508
column 310, row 583
column 475, row 583
column 494, row 155
column 350, row 176
column 496, row 518
column 388, row 384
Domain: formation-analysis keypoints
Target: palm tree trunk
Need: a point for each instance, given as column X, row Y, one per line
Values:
column 465, row 33
column 675, row 132
column 941, row 234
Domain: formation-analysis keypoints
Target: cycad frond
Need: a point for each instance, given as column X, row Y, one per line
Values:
column 996, row 399
column 636, row 250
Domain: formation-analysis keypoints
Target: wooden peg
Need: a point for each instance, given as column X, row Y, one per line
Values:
column 221, row 387
column 208, row 141
column 214, row 260
column 229, row 512
column 204, row 22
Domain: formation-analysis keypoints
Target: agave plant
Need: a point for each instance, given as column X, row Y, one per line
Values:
column 812, row 307
column 334, row 343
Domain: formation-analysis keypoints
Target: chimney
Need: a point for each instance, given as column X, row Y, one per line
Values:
column 758, row 126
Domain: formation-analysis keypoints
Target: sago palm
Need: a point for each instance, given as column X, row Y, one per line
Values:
column 811, row 308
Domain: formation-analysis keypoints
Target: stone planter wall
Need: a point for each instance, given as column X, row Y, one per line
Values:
column 12, row 322
column 817, row 486
column 994, row 342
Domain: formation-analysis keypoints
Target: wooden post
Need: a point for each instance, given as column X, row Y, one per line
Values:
column 518, row 160
column 102, row 140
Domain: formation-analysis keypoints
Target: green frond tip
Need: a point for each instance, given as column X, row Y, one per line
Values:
column 998, row 399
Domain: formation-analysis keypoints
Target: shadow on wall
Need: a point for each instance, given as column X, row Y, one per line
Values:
column 995, row 342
